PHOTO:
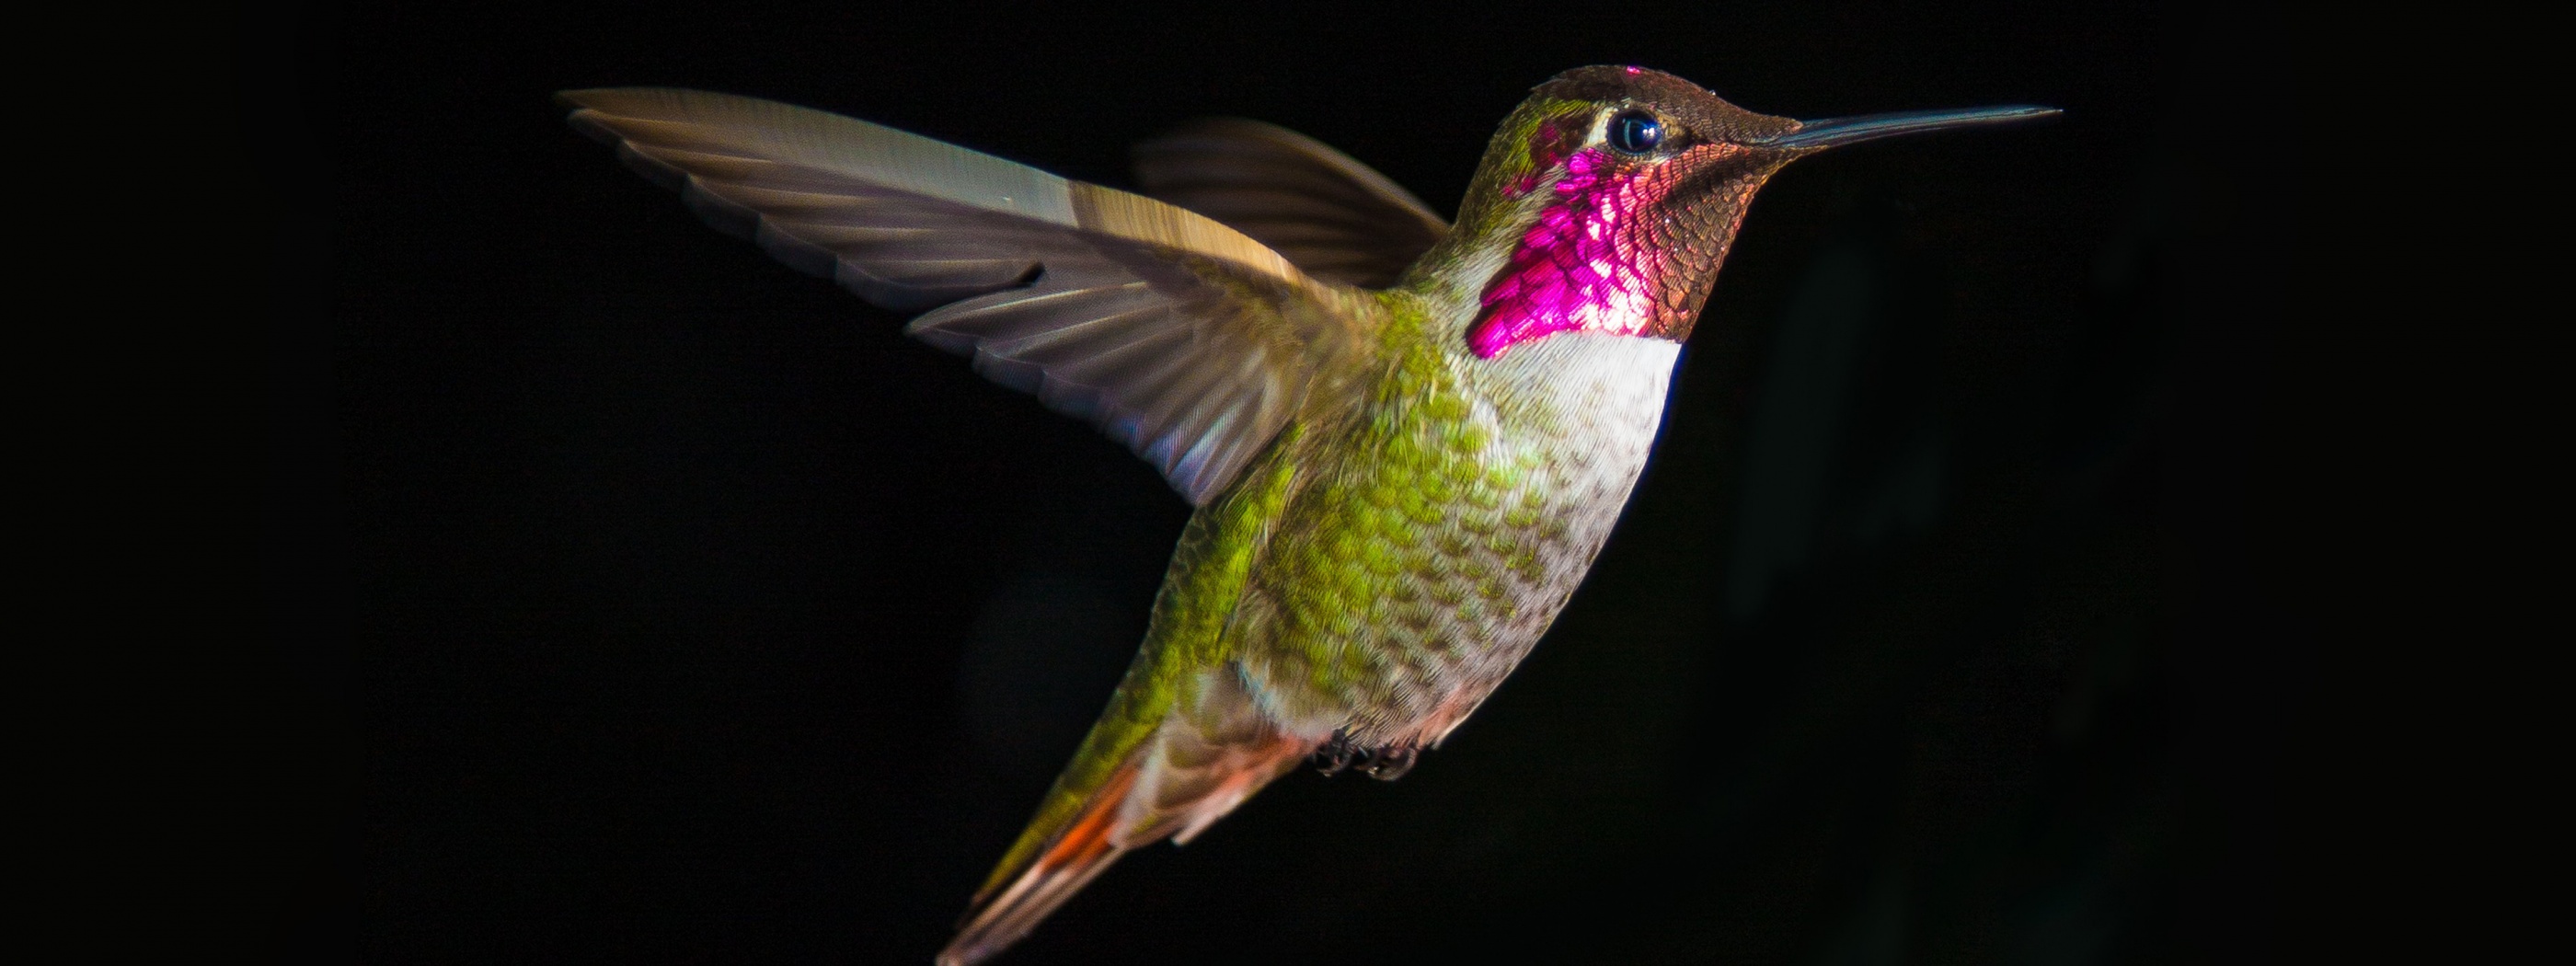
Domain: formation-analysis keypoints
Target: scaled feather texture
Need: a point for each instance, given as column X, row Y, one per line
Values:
column 1407, row 440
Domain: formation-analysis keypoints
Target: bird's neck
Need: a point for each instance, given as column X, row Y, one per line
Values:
column 1560, row 248
column 1425, row 354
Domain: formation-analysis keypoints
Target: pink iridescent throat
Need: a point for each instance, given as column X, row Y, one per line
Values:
column 1580, row 268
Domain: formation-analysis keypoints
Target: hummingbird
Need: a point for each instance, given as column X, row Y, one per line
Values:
column 1406, row 439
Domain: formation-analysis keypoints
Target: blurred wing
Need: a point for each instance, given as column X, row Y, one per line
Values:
column 1181, row 338
column 1330, row 215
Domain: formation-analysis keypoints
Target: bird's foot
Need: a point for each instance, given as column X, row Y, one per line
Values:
column 1336, row 754
column 1390, row 762
column 1382, row 762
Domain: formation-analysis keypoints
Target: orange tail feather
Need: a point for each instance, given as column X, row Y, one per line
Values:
column 1001, row 914
column 1187, row 773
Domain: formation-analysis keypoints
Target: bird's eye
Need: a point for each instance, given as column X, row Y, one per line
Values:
column 1635, row 132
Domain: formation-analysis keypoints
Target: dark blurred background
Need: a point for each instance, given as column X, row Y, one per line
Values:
column 680, row 610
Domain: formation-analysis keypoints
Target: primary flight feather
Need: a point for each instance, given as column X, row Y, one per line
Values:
column 1406, row 440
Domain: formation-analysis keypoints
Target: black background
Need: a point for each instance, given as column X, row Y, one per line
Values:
column 682, row 610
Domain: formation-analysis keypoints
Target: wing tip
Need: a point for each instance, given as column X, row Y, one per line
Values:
column 600, row 101
column 609, row 100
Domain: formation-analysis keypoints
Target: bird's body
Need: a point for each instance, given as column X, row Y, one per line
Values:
column 1407, row 441
column 1370, row 580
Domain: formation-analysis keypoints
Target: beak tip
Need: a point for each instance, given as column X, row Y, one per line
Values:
column 1839, row 131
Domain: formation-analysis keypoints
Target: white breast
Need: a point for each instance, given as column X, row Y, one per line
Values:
column 1593, row 405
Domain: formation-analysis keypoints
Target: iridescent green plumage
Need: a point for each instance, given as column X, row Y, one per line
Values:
column 1377, row 573
column 1406, row 441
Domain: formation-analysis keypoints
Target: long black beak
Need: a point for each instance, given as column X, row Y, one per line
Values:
column 1838, row 131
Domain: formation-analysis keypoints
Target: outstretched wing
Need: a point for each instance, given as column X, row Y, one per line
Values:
column 1178, row 336
column 1330, row 215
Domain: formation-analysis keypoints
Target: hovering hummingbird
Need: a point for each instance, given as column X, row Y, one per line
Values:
column 1406, row 439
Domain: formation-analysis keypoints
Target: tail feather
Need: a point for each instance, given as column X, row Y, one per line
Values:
column 1192, row 770
column 999, row 915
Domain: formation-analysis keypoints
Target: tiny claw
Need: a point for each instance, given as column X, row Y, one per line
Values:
column 1391, row 762
column 1335, row 755
column 1383, row 762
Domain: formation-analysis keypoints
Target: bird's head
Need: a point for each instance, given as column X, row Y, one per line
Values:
column 1607, row 200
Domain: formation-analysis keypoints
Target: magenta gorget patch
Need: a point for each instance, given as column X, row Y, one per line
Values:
column 1579, row 267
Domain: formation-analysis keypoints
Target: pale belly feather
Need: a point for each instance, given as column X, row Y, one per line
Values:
column 1421, row 558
